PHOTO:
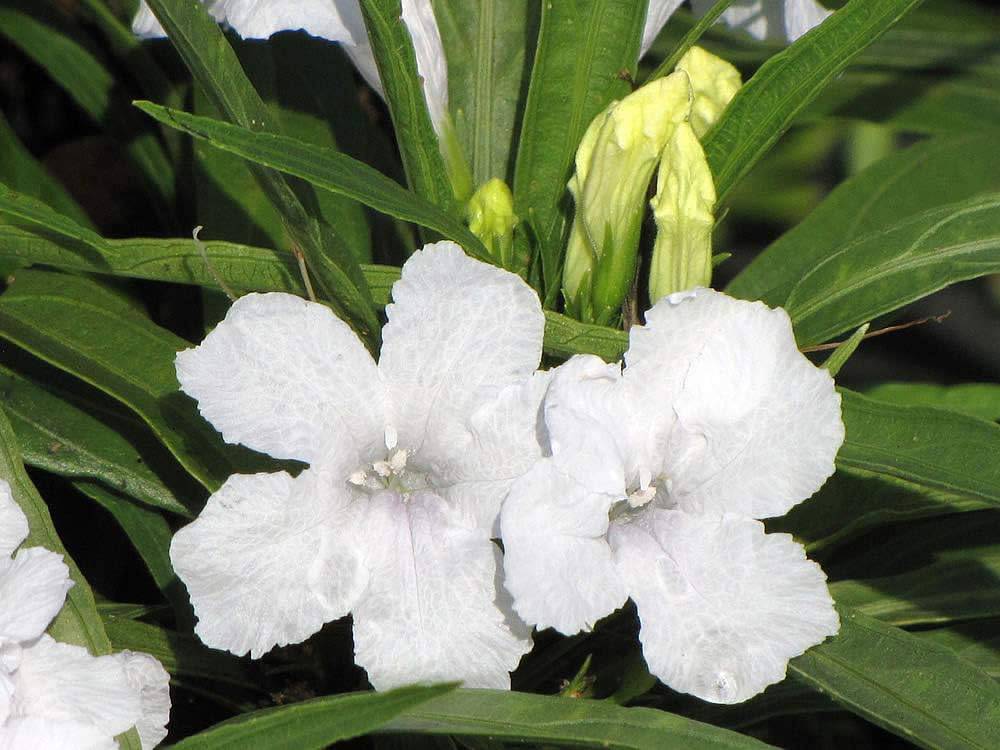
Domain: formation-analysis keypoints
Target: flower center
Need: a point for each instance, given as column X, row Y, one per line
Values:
column 640, row 494
column 395, row 472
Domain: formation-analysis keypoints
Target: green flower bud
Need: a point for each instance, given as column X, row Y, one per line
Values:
column 714, row 83
column 491, row 218
column 614, row 163
column 683, row 207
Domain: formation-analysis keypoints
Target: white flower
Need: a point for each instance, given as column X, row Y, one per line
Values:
column 656, row 477
column 54, row 695
column 784, row 20
column 339, row 21
column 409, row 461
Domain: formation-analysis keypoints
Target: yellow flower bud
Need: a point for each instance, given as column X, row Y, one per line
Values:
column 714, row 83
column 491, row 218
column 614, row 163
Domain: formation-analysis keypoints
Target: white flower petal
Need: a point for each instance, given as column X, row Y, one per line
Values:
column 336, row 20
column 33, row 588
column 288, row 378
column 557, row 562
column 723, row 605
column 150, row 680
column 505, row 438
column 784, row 20
column 61, row 682
column 35, row 733
column 432, row 65
column 657, row 15
column 13, row 523
column 757, row 425
column 431, row 612
column 459, row 332
column 268, row 561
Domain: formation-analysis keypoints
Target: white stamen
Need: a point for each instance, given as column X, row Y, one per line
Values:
column 645, row 477
column 397, row 462
column 391, row 437
column 641, row 497
column 382, row 468
column 358, row 478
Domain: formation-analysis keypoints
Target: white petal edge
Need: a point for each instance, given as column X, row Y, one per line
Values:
column 433, row 611
column 61, row 682
column 757, row 425
column 269, row 561
column 723, row 606
column 657, row 15
column 459, row 332
column 35, row 733
column 288, row 378
column 33, row 589
column 147, row 677
column 558, row 566
column 13, row 522
column 780, row 20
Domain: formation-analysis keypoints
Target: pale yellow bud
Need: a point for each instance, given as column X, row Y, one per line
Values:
column 714, row 83
column 491, row 218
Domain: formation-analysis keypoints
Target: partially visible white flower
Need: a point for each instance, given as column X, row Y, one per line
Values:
column 409, row 459
column 339, row 21
column 784, row 20
column 56, row 695
column 656, row 478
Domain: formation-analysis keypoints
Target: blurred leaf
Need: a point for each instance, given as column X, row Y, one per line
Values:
column 893, row 191
column 908, row 685
column 488, row 66
column 326, row 169
column 544, row 719
column 215, row 67
column 78, row 621
column 586, row 51
column 889, row 268
column 91, row 85
column 404, row 93
column 62, row 433
column 79, row 326
column 313, row 724
column 928, row 447
column 150, row 535
column 980, row 400
column 768, row 103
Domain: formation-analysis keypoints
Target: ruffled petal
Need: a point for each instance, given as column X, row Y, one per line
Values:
column 557, row 563
column 657, row 15
column 504, row 439
column 147, row 677
column 459, row 333
column 34, row 733
column 433, row 610
column 269, row 561
column 336, row 20
column 722, row 605
column 288, row 378
column 13, row 523
column 782, row 20
column 33, row 588
column 757, row 425
column 60, row 682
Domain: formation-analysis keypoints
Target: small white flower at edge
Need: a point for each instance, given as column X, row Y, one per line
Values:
column 338, row 21
column 409, row 461
column 656, row 478
column 55, row 695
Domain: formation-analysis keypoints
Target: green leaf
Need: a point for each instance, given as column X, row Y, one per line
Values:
column 34, row 211
column 543, row 719
column 181, row 655
column 404, row 93
column 928, row 447
column 889, row 268
column 78, row 621
column 79, row 326
column 956, row 587
column 323, row 168
column 488, row 66
column 205, row 51
column 314, row 724
column 73, row 436
column 150, row 535
column 586, row 49
column 766, row 106
column 911, row 686
column 697, row 30
column 888, row 194
column 976, row 642
column 91, row 85
column 980, row 400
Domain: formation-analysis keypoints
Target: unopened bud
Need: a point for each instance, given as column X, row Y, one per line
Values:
column 491, row 218
column 714, row 83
